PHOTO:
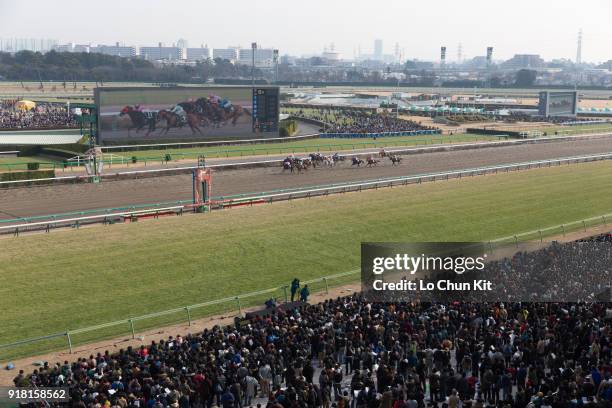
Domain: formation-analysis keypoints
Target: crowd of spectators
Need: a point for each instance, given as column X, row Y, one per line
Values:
column 350, row 352
column 515, row 116
column 44, row 115
column 358, row 121
column 567, row 272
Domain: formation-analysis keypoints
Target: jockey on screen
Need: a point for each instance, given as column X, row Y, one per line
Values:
column 179, row 111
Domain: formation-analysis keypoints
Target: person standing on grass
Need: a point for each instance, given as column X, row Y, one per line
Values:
column 295, row 285
column 304, row 293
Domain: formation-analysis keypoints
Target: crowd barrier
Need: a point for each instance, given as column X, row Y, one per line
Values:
column 380, row 134
column 183, row 314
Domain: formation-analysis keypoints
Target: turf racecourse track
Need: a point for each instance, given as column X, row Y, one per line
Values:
column 45, row 200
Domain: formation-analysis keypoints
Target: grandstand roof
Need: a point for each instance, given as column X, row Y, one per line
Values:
column 50, row 137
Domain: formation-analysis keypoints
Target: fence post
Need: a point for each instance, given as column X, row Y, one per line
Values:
column 69, row 341
column 326, row 286
column 516, row 241
column 584, row 225
column 188, row 315
column 540, row 236
column 132, row 328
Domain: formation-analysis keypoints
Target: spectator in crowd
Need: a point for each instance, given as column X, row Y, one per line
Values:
column 397, row 355
column 347, row 120
column 304, row 293
column 44, row 115
column 295, row 285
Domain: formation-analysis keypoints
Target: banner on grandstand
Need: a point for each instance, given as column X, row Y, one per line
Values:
column 477, row 272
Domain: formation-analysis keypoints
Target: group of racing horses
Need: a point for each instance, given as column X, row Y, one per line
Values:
column 196, row 114
column 299, row 164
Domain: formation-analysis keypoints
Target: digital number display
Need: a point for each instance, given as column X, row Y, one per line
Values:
column 265, row 109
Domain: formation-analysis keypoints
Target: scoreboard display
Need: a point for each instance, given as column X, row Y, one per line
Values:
column 265, row 109
column 558, row 103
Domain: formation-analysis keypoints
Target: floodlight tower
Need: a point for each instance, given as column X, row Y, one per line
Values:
column 275, row 59
column 253, row 49
column 579, row 48
column 443, row 57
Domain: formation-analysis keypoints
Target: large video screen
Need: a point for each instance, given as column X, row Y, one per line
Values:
column 558, row 103
column 561, row 104
column 177, row 113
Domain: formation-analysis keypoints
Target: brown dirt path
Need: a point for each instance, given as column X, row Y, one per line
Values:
column 53, row 199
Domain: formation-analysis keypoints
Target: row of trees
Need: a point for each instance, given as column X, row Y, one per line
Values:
column 68, row 66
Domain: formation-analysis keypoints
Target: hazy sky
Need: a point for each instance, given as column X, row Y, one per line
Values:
column 545, row 27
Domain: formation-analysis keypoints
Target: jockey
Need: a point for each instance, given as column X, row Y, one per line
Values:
column 179, row 111
column 225, row 104
column 213, row 98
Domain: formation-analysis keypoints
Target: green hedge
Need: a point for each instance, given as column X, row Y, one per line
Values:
column 26, row 175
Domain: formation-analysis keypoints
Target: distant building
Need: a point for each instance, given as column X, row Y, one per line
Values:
column 161, row 53
column 606, row 65
column 331, row 56
column 71, row 47
column 63, row 47
column 27, row 44
column 80, row 48
column 182, row 43
column 478, row 62
column 378, row 50
column 116, row 50
column 521, row 61
column 263, row 57
column 288, row 59
column 230, row 54
column 198, row 54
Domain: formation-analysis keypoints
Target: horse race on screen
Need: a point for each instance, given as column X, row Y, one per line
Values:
column 175, row 113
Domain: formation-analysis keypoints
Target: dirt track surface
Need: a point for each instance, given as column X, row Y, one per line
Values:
column 31, row 201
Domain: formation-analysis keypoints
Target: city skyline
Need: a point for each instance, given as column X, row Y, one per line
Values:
column 305, row 29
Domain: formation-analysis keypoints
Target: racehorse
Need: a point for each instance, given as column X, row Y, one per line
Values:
column 372, row 162
column 294, row 163
column 356, row 161
column 395, row 159
column 288, row 164
column 336, row 158
column 316, row 158
column 174, row 120
column 191, row 108
column 382, row 153
column 139, row 119
column 329, row 161
column 218, row 115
